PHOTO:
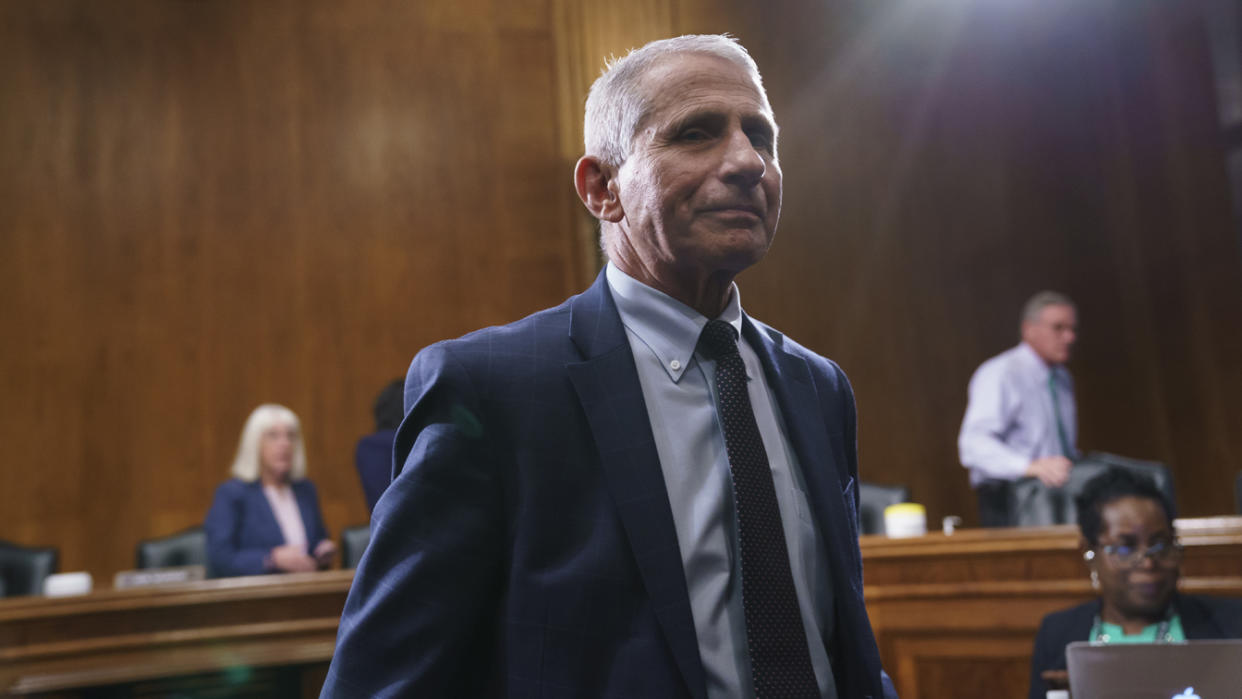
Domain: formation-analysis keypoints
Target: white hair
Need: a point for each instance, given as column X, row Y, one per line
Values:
column 246, row 464
column 617, row 102
column 1037, row 303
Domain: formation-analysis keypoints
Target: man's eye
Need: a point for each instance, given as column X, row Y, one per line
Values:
column 695, row 134
column 761, row 141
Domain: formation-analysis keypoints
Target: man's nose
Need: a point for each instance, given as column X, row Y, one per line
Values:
column 743, row 162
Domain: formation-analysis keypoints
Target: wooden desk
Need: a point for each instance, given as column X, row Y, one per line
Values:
column 265, row 635
column 956, row 616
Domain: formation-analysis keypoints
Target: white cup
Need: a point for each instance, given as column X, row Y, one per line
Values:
column 905, row 519
column 950, row 524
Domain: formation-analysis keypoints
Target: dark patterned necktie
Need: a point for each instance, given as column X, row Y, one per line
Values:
column 780, row 661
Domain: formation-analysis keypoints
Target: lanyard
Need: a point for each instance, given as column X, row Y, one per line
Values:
column 1162, row 631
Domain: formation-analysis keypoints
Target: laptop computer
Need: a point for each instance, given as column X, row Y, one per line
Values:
column 1190, row 670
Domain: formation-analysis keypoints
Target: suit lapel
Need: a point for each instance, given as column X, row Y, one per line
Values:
column 791, row 382
column 607, row 386
column 268, row 516
column 790, row 379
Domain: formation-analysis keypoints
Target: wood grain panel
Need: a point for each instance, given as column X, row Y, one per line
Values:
column 205, row 206
column 943, row 161
column 943, row 666
column 230, row 636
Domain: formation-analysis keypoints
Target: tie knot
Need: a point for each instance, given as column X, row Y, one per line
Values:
column 718, row 339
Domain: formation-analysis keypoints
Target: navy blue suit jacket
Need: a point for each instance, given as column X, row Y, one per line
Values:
column 242, row 530
column 526, row 547
column 373, row 459
column 1202, row 618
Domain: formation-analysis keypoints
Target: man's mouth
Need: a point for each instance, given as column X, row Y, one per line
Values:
column 747, row 210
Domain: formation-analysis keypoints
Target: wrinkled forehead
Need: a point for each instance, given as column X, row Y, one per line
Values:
column 683, row 78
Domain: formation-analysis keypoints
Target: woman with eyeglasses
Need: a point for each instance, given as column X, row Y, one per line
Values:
column 1133, row 558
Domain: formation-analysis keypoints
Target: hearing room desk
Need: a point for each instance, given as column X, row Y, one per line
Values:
column 954, row 616
column 269, row 635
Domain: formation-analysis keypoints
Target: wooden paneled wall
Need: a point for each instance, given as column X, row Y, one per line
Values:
column 943, row 161
column 205, row 206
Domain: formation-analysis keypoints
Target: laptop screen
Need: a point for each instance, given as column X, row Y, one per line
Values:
column 1190, row 670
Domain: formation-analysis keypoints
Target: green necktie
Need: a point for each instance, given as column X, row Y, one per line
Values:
column 1056, row 412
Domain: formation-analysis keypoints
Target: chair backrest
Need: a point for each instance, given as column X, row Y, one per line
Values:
column 23, row 570
column 1237, row 486
column 872, row 499
column 1032, row 504
column 186, row 548
column 354, row 541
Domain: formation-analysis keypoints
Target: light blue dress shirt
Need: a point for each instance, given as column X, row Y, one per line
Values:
column 679, row 389
column 1009, row 418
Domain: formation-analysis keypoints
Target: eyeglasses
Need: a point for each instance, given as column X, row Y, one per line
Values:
column 1128, row 555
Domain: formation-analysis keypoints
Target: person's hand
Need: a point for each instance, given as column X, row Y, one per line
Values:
column 325, row 552
column 291, row 559
column 1052, row 471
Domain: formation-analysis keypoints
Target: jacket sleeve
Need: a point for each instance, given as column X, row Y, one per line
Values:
column 420, row 619
column 225, row 555
column 1045, row 656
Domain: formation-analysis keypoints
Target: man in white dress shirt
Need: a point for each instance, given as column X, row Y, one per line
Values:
column 1021, row 421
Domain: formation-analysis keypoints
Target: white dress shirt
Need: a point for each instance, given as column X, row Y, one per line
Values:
column 679, row 390
column 1009, row 418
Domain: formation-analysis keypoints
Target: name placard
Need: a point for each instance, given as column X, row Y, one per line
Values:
column 158, row 576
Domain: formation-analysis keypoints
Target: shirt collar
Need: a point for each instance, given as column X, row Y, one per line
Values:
column 667, row 326
column 1038, row 367
column 1032, row 361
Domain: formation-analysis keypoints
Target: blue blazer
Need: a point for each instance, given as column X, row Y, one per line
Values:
column 242, row 530
column 526, row 547
column 1202, row 618
column 373, row 459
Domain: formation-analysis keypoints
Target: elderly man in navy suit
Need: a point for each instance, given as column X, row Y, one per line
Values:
column 642, row 492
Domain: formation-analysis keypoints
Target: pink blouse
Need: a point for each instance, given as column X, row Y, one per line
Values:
column 288, row 516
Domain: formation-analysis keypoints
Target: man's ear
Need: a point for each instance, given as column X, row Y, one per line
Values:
column 596, row 185
column 1024, row 330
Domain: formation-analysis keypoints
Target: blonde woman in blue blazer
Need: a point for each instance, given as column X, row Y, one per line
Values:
column 266, row 518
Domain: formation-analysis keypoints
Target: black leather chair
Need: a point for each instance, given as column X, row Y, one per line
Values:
column 1032, row 504
column 873, row 498
column 354, row 541
column 187, row 548
column 1237, row 487
column 23, row 570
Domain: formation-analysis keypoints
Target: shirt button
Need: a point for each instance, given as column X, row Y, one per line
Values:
column 674, row 365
